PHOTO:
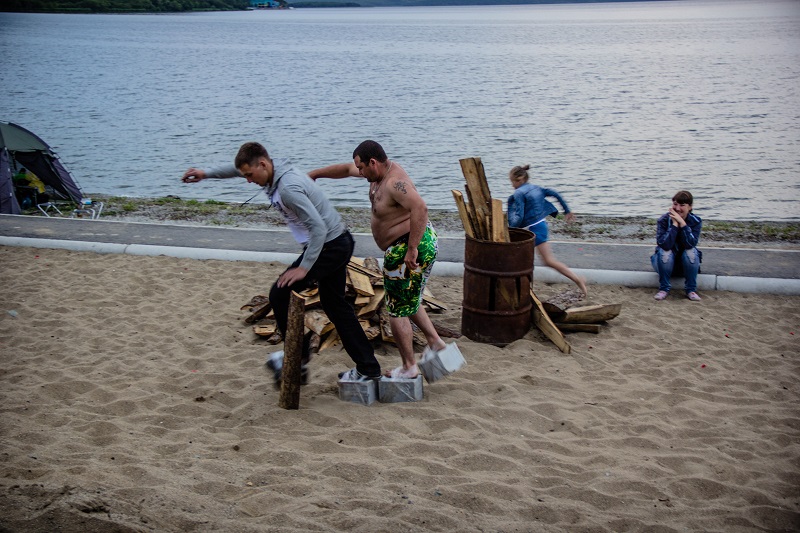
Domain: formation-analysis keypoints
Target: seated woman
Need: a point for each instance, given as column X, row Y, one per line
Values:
column 528, row 208
column 677, row 235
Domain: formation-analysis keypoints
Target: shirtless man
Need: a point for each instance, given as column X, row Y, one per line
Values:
column 401, row 229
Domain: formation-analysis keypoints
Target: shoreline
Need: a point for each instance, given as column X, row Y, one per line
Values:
column 627, row 230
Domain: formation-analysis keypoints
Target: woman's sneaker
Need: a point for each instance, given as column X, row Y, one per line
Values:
column 661, row 295
column 693, row 296
column 353, row 375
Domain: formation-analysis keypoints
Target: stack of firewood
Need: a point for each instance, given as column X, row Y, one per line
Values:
column 483, row 217
column 364, row 290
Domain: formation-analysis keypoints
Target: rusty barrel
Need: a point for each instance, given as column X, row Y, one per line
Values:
column 497, row 288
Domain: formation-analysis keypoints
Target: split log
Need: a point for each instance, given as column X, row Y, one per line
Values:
column 546, row 326
column 317, row 321
column 562, row 301
column 463, row 212
column 585, row 328
column 255, row 301
column 330, row 341
column 310, row 298
column 590, row 314
column 293, row 354
column 259, row 312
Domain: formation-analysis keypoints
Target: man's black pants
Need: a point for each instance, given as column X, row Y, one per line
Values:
column 330, row 272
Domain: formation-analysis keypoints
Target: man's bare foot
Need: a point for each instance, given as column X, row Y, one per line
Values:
column 403, row 373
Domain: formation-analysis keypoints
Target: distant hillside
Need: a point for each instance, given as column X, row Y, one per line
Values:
column 121, row 6
column 161, row 6
column 409, row 3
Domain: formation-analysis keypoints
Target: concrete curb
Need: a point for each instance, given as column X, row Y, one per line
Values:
column 705, row 282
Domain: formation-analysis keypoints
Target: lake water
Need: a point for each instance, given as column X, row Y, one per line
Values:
column 616, row 106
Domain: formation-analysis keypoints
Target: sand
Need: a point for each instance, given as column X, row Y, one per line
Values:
column 135, row 398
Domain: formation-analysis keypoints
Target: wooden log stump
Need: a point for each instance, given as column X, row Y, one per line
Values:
column 292, row 354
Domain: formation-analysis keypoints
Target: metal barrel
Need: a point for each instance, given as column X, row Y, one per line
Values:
column 497, row 288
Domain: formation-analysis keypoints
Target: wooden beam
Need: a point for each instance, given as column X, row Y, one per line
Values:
column 546, row 326
column 292, row 354
column 585, row 328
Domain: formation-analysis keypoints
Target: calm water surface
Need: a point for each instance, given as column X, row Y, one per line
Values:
column 617, row 106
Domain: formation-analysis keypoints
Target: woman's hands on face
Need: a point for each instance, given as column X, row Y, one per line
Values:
column 677, row 219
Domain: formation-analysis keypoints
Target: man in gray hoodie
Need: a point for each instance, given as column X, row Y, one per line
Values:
column 327, row 248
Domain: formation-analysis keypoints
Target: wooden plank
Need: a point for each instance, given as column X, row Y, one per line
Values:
column 585, row 328
column 293, row 353
column 463, row 212
column 266, row 330
column 433, row 302
column 361, row 283
column 362, row 300
column 590, row 314
column 374, row 275
column 478, row 195
column 546, row 326
column 499, row 222
column 372, row 306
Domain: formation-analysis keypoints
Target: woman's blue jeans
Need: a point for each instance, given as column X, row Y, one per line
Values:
column 663, row 262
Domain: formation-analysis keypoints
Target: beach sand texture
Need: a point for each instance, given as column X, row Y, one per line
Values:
column 134, row 398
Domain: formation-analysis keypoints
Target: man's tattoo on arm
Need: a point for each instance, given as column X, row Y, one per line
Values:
column 400, row 186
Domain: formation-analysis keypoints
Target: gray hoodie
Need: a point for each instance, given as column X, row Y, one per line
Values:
column 309, row 214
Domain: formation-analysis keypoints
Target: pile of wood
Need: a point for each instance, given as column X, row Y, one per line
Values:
column 364, row 290
column 483, row 217
column 561, row 313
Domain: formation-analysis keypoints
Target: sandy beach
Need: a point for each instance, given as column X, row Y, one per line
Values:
column 135, row 398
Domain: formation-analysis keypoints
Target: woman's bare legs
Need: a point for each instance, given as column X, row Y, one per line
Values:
column 549, row 259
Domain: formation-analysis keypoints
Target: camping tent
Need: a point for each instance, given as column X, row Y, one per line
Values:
column 21, row 148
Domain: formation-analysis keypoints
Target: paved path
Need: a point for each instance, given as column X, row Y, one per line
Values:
column 628, row 261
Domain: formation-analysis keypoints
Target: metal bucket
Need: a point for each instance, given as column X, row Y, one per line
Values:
column 497, row 288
